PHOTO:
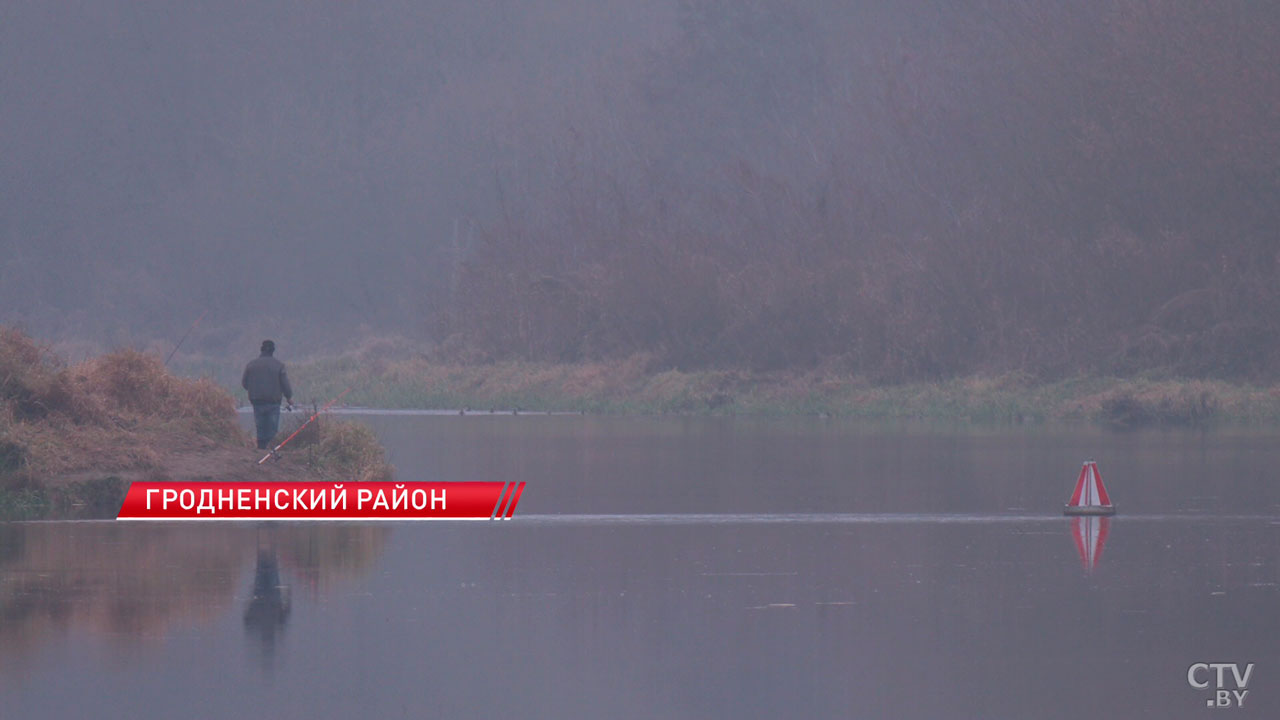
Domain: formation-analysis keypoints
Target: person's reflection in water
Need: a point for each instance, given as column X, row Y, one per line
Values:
column 268, row 608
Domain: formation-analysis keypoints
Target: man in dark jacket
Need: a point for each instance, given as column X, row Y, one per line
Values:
column 266, row 382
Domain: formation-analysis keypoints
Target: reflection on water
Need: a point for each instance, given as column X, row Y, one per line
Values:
column 268, row 608
column 681, row 569
column 131, row 584
column 1090, row 533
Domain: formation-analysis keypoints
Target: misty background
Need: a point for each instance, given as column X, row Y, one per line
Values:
column 901, row 190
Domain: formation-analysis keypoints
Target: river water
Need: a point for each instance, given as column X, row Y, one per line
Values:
column 684, row 568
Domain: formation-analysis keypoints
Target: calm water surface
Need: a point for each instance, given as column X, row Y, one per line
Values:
column 682, row 568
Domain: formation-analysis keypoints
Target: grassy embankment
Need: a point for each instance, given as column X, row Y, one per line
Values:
column 72, row 437
column 388, row 375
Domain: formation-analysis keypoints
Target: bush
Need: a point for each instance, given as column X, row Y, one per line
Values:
column 342, row 449
column 1182, row 407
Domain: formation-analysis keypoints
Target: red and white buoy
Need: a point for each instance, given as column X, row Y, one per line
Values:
column 1090, row 497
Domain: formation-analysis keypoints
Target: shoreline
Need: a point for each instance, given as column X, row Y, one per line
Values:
column 630, row 387
column 947, row 423
column 74, row 436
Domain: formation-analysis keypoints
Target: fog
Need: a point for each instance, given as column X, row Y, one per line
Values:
column 913, row 189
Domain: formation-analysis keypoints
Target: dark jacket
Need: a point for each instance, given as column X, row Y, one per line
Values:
column 265, row 380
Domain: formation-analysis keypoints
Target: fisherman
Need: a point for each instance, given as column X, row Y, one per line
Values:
column 266, row 382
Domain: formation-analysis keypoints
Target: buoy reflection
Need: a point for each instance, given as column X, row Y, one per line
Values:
column 1090, row 533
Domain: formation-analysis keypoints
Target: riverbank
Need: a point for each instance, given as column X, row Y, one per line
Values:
column 634, row 386
column 73, row 437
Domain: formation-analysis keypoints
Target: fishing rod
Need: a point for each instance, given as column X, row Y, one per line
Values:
column 314, row 415
column 184, row 337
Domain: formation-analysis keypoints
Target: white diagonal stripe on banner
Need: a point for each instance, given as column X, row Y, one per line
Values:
column 501, row 495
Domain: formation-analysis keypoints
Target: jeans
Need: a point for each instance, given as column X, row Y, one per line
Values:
column 266, row 417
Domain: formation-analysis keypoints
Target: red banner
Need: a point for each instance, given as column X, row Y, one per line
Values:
column 321, row 501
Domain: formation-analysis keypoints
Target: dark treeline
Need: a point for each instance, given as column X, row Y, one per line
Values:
column 977, row 187
column 900, row 190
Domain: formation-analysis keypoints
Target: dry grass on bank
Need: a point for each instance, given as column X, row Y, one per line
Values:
column 114, row 412
column 339, row 449
column 123, row 412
